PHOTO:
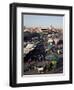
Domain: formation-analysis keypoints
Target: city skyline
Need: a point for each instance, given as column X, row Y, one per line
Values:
column 43, row 21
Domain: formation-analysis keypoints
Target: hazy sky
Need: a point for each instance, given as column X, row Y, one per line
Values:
column 42, row 20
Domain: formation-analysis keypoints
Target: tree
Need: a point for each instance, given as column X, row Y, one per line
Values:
column 54, row 61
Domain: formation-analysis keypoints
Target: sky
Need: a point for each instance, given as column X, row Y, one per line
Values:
column 42, row 21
